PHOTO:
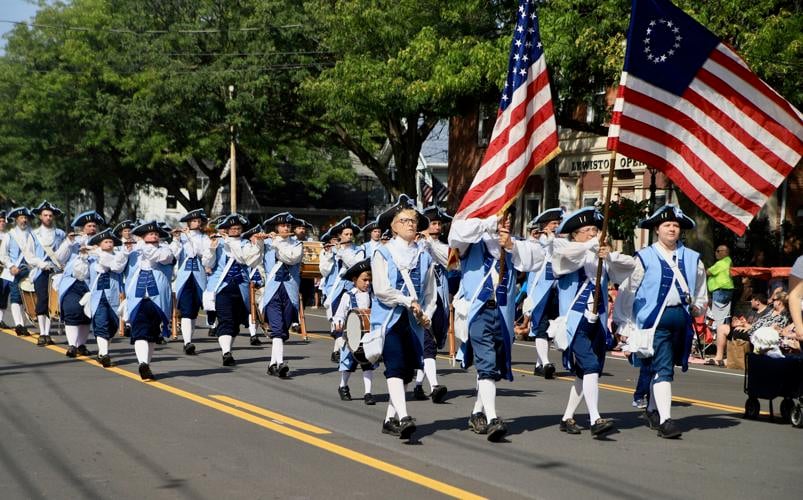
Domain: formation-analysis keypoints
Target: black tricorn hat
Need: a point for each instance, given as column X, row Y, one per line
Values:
column 403, row 203
column 586, row 216
column 198, row 213
column 85, row 218
column 231, row 220
column 106, row 234
column 357, row 269
column 148, row 227
column 366, row 229
column 16, row 212
column 46, row 205
column 126, row 224
column 437, row 213
column 280, row 218
column 668, row 213
column 254, row 230
column 296, row 222
column 548, row 215
column 344, row 223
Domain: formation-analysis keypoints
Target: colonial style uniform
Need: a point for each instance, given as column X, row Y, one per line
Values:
column 256, row 276
column 372, row 238
column 435, row 336
column 402, row 276
column 301, row 233
column 4, row 288
column 542, row 292
column 48, row 240
column 230, row 261
column 575, row 263
column 354, row 299
column 103, row 269
column 488, row 289
column 665, row 286
column 148, row 294
column 19, row 253
column 279, row 305
column 190, row 280
column 72, row 288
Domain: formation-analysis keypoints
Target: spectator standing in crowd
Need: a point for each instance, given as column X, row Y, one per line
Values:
column 720, row 286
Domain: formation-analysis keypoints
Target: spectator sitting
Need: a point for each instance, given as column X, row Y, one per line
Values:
column 741, row 326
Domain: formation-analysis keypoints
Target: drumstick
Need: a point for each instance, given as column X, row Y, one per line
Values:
column 301, row 321
column 450, row 335
column 122, row 321
column 174, row 325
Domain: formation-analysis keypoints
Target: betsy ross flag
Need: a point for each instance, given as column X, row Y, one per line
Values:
column 690, row 107
column 525, row 135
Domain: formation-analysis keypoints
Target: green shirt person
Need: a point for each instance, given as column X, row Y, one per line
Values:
column 721, row 287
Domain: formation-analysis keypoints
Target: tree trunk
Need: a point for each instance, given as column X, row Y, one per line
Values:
column 465, row 154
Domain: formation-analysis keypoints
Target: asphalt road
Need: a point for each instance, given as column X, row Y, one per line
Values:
column 72, row 429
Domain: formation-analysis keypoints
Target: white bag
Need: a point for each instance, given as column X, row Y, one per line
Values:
column 208, row 300
column 639, row 340
column 86, row 301
column 461, row 308
column 372, row 345
column 557, row 332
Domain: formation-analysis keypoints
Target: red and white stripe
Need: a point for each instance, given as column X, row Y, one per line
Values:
column 524, row 138
column 728, row 142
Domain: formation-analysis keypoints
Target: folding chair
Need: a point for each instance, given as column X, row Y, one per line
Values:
column 703, row 337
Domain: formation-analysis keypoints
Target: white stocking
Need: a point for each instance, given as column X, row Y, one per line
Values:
column 431, row 371
column 83, row 334
column 591, row 393
column 16, row 313
column 103, row 346
column 187, row 329
column 225, row 342
column 487, row 392
column 43, row 330
column 419, row 377
column 72, row 335
column 141, row 349
column 344, row 378
column 277, row 351
column 252, row 326
column 663, row 399
column 47, row 325
column 542, row 348
column 398, row 400
column 368, row 380
column 575, row 396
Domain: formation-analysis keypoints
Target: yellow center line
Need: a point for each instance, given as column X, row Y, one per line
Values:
column 270, row 414
column 281, row 428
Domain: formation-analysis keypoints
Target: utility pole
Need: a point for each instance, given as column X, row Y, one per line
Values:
column 233, row 162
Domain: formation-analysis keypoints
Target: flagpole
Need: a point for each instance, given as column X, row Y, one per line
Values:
column 603, row 235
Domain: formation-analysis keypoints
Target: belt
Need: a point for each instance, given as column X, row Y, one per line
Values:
column 490, row 303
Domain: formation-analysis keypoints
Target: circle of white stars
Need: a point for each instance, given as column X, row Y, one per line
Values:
column 651, row 30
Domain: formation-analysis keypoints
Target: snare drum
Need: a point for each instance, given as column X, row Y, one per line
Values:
column 358, row 323
column 311, row 258
column 53, row 297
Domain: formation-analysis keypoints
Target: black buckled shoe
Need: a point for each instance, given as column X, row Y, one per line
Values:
column 344, row 392
column 161, row 340
column 127, row 330
column 50, row 340
column 438, row 394
column 189, row 349
column 538, row 371
column 418, row 393
column 549, row 371
column 212, row 331
column 391, row 426
column 653, row 419
column 255, row 341
column 284, row 369
column 601, row 427
column 569, row 426
column 669, row 429
column 4, row 325
column 273, row 370
column 21, row 331
column 145, row 372
column 496, row 430
column 42, row 341
column 478, row 423
column 83, row 351
column 369, row 399
column 72, row 352
column 228, row 359
column 406, row 427
column 105, row 360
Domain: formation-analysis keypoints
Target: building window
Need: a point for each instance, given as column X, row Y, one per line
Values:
column 171, row 202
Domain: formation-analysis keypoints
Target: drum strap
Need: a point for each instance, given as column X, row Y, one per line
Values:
column 49, row 251
column 23, row 249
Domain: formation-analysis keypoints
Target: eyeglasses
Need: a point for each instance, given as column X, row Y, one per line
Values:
column 406, row 221
column 589, row 229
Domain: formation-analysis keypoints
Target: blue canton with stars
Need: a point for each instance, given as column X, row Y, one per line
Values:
column 525, row 49
column 665, row 46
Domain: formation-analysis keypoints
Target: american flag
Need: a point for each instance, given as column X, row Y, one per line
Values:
column 433, row 192
column 525, row 135
column 690, row 107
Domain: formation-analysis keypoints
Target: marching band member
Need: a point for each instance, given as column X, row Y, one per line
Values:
column 489, row 258
column 542, row 290
column 666, row 289
column 575, row 263
column 209, row 293
column 48, row 238
column 102, row 266
column 255, row 276
column 4, row 288
column 148, row 294
column 435, row 337
column 358, row 297
column 123, row 232
column 279, row 305
column 334, row 260
column 404, row 301
column 18, row 258
column 73, row 288
column 301, row 232
column 229, row 262
column 188, row 246
column 373, row 238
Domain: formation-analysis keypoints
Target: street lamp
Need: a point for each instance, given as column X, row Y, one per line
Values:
column 366, row 186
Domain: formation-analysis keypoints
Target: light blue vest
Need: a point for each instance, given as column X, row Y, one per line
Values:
column 15, row 254
column 39, row 250
column 108, row 284
column 68, row 278
column 568, row 286
column 189, row 267
column 658, row 277
column 222, row 268
column 385, row 316
column 287, row 276
column 539, row 285
column 163, row 296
